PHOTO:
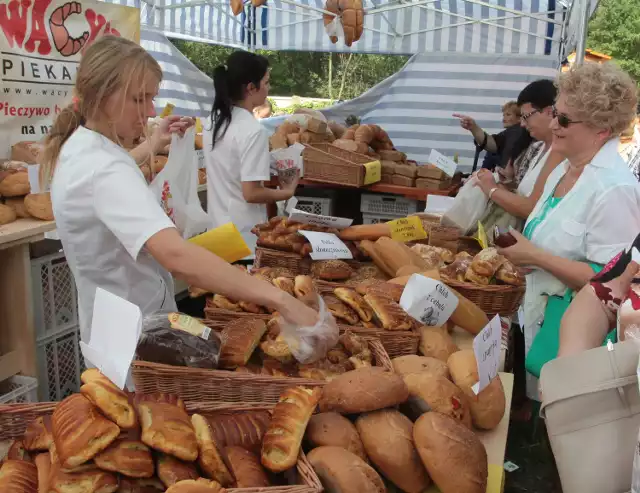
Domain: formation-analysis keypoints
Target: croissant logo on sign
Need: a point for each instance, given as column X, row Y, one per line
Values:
column 26, row 25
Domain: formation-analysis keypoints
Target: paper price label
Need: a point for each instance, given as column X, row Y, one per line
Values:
column 168, row 109
column 319, row 219
column 198, row 126
column 486, row 346
column 481, row 236
column 180, row 321
column 444, row 163
column 326, row 246
column 428, row 301
column 407, row 229
column 373, row 172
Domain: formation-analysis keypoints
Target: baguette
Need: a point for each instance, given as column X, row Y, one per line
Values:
column 397, row 255
column 281, row 443
column 370, row 250
column 365, row 232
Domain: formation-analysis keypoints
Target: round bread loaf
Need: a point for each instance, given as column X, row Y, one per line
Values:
column 487, row 408
column 39, row 206
column 454, row 456
column 333, row 429
column 363, row 390
column 17, row 204
column 387, row 436
column 431, row 392
column 340, row 471
column 7, row 214
column 436, row 343
column 15, row 184
column 412, row 363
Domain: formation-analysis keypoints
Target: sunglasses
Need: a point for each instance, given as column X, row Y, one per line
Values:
column 526, row 116
column 563, row 120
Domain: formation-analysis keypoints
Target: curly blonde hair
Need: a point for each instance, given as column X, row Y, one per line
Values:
column 511, row 106
column 603, row 95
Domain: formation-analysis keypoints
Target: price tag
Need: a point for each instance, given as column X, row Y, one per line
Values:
column 407, row 229
column 34, row 177
column 326, row 246
column 180, row 321
column 486, row 346
column 200, row 156
column 481, row 236
column 428, row 301
column 198, row 126
column 373, row 172
column 319, row 219
column 168, row 109
column 444, row 163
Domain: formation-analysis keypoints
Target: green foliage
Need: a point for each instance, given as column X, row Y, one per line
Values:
column 297, row 104
column 615, row 31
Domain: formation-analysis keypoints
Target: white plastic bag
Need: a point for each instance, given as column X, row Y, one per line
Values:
column 309, row 344
column 467, row 208
column 176, row 186
column 285, row 162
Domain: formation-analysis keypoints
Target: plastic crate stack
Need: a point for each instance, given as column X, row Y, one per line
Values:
column 382, row 208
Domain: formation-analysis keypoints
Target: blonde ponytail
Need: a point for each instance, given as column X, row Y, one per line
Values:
column 67, row 121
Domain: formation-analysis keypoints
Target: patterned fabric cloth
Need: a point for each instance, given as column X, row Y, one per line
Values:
column 521, row 165
column 632, row 157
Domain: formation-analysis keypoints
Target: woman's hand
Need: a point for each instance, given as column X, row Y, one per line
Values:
column 523, row 253
column 297, row 313
column 291, row 184
column 161, row 136
column 486, row 181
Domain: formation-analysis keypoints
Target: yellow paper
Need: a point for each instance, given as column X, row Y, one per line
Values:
column 198, row 126
column 481, row 236
column 373, row 173
column 407, row 229
column 495, row 482
column 225, row 241
column 168, row 109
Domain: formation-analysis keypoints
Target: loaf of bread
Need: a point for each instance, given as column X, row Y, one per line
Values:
column 340, row 471
column 392, row 155
column 468, row 315
column 281, row 443
column 43, row 464
column 244, row 430
column 356, row 302
column 365, row 232
column 171, row 470
column 80, row 432
column 246, row 468
column 429, row 392
column 15, row 184
column 209, row 455
column 487, row 408
column 363, row 390
column 127, row 456
column 333, row 429
column 199, row 485
column 387, row 436
column 26, row 152
column 370, row 250
column 239, row 339
column 38, row 205
column 388, row 313
column 17, row 476
column 37, row 436
column 397, row 255
column 331, row 270
column 17, row 204
column 412, row 363
column 7, row 214
column 436, row 342
column 111, row 401
column 454, row 456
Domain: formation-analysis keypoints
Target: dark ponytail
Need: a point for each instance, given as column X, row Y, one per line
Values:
column 230, row 82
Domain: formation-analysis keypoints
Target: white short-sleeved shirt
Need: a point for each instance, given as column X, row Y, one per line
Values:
column 241, row 155
column 105, row 213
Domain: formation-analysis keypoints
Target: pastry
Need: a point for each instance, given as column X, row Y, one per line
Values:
column 278, row 349
column 127, row 456
column 141, row 485
column 386, row 289
column 209, row 455
column 111, row 401
column 171, row 470
column 333, row 429
column 472, row 276
column 305, row 291
column 509, row 274
column 43, row 464
column 341, row 311
column 239, row 339
column 284, row 283
column 246, row 468
column 331, row 270
column 249, row 307
column 389, row 313
column 355, row 301
column 225, row 303
column 353, row 343
column 200, row 485
column 487, row 262
column 17, row 451
column 457, row 270
column 89, row 479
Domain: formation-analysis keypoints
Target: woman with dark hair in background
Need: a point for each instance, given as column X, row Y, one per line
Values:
column 237, row 147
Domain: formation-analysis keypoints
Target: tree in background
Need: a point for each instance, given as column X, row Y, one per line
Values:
column 615, row 31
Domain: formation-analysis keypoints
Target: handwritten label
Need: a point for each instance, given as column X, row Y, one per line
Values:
column 319, row 219
column 34, row 177
column 326, row 246
column 438, row 204
column 407, row 229
column 200, row 156
column 486, row 346
column 444, row 163
column 373, row 172
column 168, row 109
column 428, row 301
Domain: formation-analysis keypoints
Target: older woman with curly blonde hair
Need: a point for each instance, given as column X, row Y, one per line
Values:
column 590, row 208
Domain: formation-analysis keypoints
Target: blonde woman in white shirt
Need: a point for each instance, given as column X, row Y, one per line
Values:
column 114, row 232
column 236, row 147
column 590, row 208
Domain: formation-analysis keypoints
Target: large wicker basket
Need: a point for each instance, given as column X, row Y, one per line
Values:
column 266, row 257
column 14, row 419
column 198, row 385
column 329, row 164
column 495, row 299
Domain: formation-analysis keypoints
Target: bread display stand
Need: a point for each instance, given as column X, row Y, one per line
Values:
column 17, row 341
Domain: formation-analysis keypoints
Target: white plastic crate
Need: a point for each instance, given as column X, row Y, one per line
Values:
column 21, row 389
column 387, row 205
column 55, row 298
column 60, row 364
column 378, row 218
column 314, row 205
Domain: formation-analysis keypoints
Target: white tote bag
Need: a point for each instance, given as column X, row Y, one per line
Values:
column 467, row 208
column 176, row 186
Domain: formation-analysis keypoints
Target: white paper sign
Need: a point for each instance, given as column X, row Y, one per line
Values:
column 427, row 300
column 319, row 219
column 326, row 246
column 291, row 205
column 438, row 204
column 444, row 163
column 34, row 177
column 115, row 330
column 486, row 346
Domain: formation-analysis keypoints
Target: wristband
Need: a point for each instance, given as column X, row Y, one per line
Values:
column 492, row 191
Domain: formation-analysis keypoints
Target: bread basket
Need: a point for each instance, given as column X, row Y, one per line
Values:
column 494, row 299
column 266, row 257
column 327, row 163
column 14, row 419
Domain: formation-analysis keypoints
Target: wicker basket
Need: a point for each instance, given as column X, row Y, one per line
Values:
column 266, row 257
column 198, row 385
column 330, row 164
column 495, row 299
column 14, row 419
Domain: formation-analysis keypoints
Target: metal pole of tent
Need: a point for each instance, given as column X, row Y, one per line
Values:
column 581, row 43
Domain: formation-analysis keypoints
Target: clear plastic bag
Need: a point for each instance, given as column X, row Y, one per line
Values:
column 467, row 208
column 310, row 344
column 178, row 340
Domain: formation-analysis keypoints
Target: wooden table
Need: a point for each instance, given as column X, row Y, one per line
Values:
column 17, row 341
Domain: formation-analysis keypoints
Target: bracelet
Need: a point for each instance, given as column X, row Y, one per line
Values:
column 492, row 191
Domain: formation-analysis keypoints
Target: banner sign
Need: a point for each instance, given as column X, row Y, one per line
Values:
column 41, row 43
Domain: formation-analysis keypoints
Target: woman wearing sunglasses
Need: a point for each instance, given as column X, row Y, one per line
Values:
column 590, row 208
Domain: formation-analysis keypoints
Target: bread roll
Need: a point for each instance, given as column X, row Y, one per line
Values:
column 454, row 456
column 333, row 429
column 487, row 262
column 436, row 342
column 43, row 464
column 487, row 408
column 331, row 270
column 412, row 363
column 305, row 291
column 39, row 206
column 171, row 470
column 112, row 401
column 246, row 468
column 200, row 485
column 429, row 392
column 340, row 471
column 17, row 204
column 17, row 476
column 387, row 436
column 363, row 390
column 15, row 184
column 7, row 214
column 209, row 455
